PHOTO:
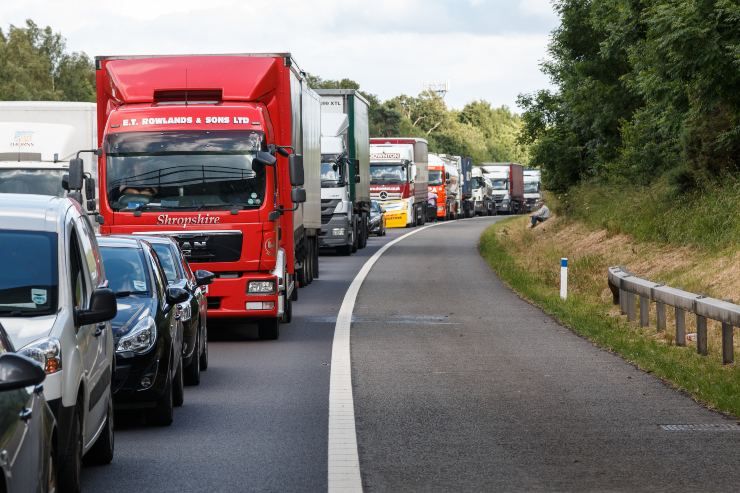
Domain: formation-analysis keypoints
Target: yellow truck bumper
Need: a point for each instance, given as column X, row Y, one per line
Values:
column 396, row 219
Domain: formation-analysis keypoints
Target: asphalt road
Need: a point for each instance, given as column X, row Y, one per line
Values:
column 459, row 385
column 258, row 421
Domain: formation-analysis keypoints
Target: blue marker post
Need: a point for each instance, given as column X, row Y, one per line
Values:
column 563, row 278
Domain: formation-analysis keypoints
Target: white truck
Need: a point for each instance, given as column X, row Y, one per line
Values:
column 532, row 189
column 37, row 140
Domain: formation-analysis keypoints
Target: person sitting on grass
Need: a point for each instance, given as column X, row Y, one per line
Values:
column 541, row 215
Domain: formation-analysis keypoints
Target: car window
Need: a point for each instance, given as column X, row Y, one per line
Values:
column 185, row 265
column 160, row 278
column 29, row 278
column 168, row 261
column 80, row 284
column 92, row 258
column 126, row 270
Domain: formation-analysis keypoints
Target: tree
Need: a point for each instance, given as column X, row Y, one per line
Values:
column 34, row 65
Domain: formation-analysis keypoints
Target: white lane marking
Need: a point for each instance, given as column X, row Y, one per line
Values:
column 344, row 463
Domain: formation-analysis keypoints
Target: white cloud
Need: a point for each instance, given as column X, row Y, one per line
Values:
column 330, row 38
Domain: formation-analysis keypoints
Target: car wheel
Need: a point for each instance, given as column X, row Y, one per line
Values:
column 51, row 473
column 102, row 452
column 192, row 371
column 268, row 329
column 162, row 414
column 70, row 460
column 178, row 386
column 204, row 354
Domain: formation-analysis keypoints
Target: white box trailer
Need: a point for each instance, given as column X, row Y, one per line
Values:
column 37, row 140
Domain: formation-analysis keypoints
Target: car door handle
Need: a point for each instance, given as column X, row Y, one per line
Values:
column 25, row 414
column 99, row 329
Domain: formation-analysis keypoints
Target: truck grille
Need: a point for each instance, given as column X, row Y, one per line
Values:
column 210, row 246
column 385, row 195
column 327, row 209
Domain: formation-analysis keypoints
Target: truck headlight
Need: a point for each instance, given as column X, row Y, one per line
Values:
column 261, row 287
column 342, row 207
column 47, row 352
column 140, row 339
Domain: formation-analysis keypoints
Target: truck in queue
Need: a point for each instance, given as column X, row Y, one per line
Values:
column 398, row 179
column 532, row 189
column 463, row 165
column 37, row 141
column 437, row 186
column 507, row 180
column 222, row 153
column 482, row 193
column 345, row 170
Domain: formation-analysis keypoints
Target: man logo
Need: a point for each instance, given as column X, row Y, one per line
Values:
column 188, row 246
column 383, row 195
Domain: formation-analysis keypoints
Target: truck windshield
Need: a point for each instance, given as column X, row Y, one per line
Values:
column 500, row 184
column 32, row 180
column 387, row 173
column 435, row 177
column 531, row 187
column 184, row 170
column 28, row 284
column 478, row 182
column 331, row 175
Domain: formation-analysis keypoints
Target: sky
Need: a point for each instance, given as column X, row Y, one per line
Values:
column 482, row 49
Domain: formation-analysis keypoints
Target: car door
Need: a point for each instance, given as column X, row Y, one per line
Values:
column 87, row 342
column 176, row 329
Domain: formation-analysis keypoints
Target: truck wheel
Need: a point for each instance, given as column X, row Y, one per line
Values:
column 301, row 274
column 287, row 310
column 316, row 259
column 70, row 460
column 362, row 241
column 309, row 261
column 102, row 452
column 163, row 413
column 268, row 329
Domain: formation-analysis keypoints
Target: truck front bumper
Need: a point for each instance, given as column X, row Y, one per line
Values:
column 337, row 232
column 228, row 298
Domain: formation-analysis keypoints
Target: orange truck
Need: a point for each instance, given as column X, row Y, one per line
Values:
column 443, row 182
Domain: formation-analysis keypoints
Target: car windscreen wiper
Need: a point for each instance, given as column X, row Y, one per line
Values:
column 124, row 294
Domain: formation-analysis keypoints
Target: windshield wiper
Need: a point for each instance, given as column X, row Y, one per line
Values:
column 124, row 294
column 223, row 205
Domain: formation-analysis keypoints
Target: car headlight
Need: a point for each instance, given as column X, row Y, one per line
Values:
column 47, row 352
column 261, row 287
column 183, row 310
column 140, row 339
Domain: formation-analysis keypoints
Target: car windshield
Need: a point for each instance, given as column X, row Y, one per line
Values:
column 184, row 170
column 167, row 259
column 35, row 181
column 374, row 208
column 29, row 279
column 331, row 175
column 125, row 269
column 387, row 173
column 435, row 177
column 500, row 184
column 531, row 187
column 478, row 182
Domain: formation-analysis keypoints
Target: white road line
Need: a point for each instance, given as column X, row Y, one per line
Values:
column 344, row 463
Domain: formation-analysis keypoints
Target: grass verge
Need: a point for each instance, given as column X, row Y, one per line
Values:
column 591, row 316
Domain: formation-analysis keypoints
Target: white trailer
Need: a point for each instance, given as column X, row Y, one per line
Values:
column 37, row 140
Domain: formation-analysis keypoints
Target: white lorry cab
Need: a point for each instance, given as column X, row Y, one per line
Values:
column 56, row 308
column 37, row 141
column 532, row 189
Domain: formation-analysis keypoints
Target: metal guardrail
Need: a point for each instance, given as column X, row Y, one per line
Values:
column 626, row 287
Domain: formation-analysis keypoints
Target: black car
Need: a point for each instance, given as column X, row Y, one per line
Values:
column 376, row 225
column 147, row 331
column 27, row 456
column 193, row 311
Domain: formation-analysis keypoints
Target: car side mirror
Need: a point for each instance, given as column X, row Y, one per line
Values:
column 103, row 307
column 75, row 175
column 203, row 277
column 18, row 371
column 265, row 158
column 298, row 195
column 295, row 165
column 176, row 295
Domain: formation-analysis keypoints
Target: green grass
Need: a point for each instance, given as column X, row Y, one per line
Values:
column 657, row 214
column 703, row 377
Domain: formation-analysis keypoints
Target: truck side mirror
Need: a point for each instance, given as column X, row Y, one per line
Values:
column 298, row 195
column 75, row 175
column 295, row 162
column 357, row 178
column 447, row 175
column 265, row 158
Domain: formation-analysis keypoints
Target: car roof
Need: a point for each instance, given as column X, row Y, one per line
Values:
column 119, row 241
column 27, row 212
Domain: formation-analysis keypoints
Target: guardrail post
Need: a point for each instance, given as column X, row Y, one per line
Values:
column 644, row 311
column 623, row 301
column 701, row 335
column 631, row 302
column 660, row 315
column 728, row 350
column 680, row 327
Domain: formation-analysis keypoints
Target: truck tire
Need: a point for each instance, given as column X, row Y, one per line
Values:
column 268, row 329
column 309, row 261
column 362, row 240
column 316, row 258
column 287, row 310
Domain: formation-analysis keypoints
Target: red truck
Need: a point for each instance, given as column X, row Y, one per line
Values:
column 221, row 152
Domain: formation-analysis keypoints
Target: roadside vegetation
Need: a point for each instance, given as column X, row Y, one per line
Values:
column 528, row 261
